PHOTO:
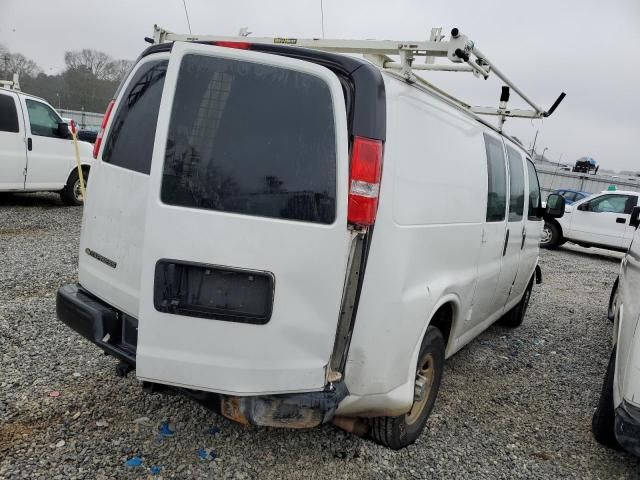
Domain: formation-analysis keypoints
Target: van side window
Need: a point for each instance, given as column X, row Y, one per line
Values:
column 251, row 139
column 516, row 184
column 133, row 131
column 497, row 173
column 43, row 120
column 534, row 193
column 8, row 114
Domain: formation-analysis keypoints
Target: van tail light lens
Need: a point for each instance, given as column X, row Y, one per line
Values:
column 364, row 181
column 105, row 120
column 240, row 45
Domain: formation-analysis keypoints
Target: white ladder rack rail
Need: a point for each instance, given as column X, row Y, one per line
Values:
column 11, row 84
column 459, row 50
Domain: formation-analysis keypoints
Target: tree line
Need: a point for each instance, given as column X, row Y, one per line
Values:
column 88, row 81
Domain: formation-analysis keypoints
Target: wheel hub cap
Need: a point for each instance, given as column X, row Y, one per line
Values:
column 422, row 388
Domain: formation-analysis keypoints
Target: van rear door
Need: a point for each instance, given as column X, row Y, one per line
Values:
column 246, row 240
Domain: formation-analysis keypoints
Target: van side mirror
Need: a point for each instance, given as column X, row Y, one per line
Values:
column 555, row 206
column 634, row 221
column 63, row 130
column 584, row 207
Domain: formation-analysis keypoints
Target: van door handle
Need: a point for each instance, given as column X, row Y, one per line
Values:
column 506, row 243
column 621, row 220
column 29, row 144
column 524, row 237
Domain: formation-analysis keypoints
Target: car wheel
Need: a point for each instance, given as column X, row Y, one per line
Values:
column 551, row 236
column 72, row 192
column 604, row 418
column 514, row 317
column 401, row 431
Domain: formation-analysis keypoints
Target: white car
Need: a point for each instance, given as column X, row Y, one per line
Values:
column 36, row 151
column 601, row 220
column 617, row 418
column 243, row 242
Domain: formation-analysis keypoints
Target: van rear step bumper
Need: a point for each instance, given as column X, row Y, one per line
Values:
column 116, row 333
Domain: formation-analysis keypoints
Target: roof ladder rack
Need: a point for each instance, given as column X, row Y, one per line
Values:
column 461, row 53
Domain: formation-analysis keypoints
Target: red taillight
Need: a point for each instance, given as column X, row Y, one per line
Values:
column 364, row 181
column 105, row 119
column 240, row 45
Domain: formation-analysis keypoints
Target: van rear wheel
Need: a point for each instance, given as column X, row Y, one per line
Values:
column 401, row 431
column 72, row 192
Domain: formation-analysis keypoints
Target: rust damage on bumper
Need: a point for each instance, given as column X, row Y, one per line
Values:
column 298, row 410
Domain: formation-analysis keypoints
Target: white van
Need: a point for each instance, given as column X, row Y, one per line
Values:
column 294, row 237
column 616, row 421
column 36, row 150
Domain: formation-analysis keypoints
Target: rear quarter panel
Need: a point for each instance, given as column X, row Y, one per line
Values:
column 426, row 240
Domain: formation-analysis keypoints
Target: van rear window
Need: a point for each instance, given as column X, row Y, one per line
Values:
column 252, row 139
column 133, row 130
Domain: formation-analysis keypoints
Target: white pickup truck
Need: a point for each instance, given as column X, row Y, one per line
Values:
column 602, row 220
column 36, row 150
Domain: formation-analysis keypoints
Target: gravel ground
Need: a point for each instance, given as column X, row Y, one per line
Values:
column 513, row 404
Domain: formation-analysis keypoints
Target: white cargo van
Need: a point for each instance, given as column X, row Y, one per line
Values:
column 36, row 150
column 293, row 236
column 616, row 421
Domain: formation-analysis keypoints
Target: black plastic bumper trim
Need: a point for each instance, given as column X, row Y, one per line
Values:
column 94, row 320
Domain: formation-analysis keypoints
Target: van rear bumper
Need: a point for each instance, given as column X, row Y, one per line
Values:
column 116, row 333
column 113, row 331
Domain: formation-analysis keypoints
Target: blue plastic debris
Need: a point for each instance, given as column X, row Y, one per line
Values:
column 166, row 430
column 207, row 454
column 154, row 470
column 213, row 430
column 134, row 462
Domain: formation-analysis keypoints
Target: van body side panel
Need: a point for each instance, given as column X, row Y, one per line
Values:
column 425, row 245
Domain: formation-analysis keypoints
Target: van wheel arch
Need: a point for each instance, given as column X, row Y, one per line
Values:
column 443, row 320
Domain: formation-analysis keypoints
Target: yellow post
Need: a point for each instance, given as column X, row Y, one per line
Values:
column 80, row 175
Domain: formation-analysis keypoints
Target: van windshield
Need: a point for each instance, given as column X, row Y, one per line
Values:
column 253, row 139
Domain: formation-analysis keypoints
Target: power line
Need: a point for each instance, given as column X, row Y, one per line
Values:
column 187, row 15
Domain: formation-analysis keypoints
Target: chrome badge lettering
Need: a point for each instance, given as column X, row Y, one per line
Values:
column 100, row 258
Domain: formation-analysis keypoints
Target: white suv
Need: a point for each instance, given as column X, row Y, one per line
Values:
column 617, row 418
column 601, row 220
column 244, row 242
column 36, row 151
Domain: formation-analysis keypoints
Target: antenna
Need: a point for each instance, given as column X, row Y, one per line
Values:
column 322, row 16
column 184, row 3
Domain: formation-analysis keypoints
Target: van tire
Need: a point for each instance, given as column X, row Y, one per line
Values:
column 71, row 194
column 514, row 317
column 604, row 418
column 551, row 236
column 403, row 430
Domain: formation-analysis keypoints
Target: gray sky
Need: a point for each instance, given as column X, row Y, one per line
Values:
column 588, row 48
